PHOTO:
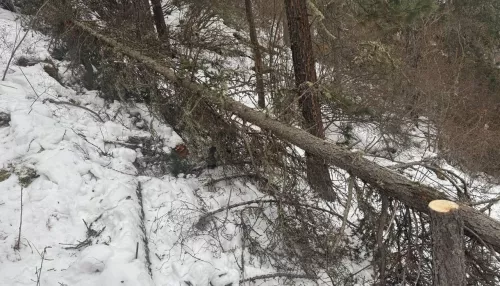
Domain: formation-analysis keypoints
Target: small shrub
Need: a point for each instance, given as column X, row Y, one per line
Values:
column 178, row 164
column 4, row 175
column 26, row 175
column 25, row 62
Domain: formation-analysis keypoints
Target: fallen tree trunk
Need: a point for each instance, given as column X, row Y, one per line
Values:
column 412, row 194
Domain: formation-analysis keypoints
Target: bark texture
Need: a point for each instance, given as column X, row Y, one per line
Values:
column 143, row 20
column 159, row 19
column 286, row 33
column 389, row 183
column 318, row 174
column 257, row 55
column 380, row 252
column 447, row 231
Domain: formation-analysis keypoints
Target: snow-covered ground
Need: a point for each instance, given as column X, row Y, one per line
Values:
column 89, row 216
column 86, row 214
column 85, row 210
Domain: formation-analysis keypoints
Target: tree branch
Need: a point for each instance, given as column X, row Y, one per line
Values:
column 75, row 105
column 277, row 275
column 413, row 194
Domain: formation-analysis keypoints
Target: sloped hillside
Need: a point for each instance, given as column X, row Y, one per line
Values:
column 96, row 191
column 78, row 201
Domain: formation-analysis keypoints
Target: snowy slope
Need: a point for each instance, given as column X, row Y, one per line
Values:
column 84, row 185
column 89, row 207
column 83, row 204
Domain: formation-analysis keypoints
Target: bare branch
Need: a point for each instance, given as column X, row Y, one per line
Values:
column 75, row 105
column 279, row 275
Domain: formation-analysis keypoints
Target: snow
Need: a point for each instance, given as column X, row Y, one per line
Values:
column 82, row 217
column 90, row 208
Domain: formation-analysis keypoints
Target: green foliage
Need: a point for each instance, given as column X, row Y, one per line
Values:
column 26, row 175
column 411, row 10
column 178, row 165
column 375, row 55
column 485, row 12
column 28, row 7
column 347, row 132
column 4, row 175
column 396, row 14
column 345, row 103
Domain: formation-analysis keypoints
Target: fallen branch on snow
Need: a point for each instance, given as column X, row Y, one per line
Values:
column 280, row 275
column 203, row 219
column 75, row 105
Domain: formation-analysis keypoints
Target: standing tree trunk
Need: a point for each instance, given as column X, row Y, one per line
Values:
column 286, row 33
column 257, row 56
column 448, row 255
column 161, row 26
column 318, row 174
column 143, row 21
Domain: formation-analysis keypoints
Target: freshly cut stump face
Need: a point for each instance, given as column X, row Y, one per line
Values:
column 443, row 206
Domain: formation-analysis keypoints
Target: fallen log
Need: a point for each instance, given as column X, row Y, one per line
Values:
column 389, row 183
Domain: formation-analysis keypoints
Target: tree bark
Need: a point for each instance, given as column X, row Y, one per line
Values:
column 318, row 174
column 257, row 55
column 389, row 183
column 286, row 33
column 447, row 231
column 380, row 251
column 159, row 19
column 144, row 22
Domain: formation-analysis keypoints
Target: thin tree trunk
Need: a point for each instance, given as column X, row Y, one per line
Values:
column 380, row 253
column 413, row 194
column 161, row 26
column 257, row 55
column 143, row 22
column 318, row 174
column 448, row 253
column 286, row 33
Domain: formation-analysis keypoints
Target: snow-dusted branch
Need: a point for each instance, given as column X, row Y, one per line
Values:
column 75, row 105
column 203, row 218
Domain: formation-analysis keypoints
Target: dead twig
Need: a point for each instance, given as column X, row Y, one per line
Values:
column 124, row 144
column 347, row 208
column 39, row 270
column 203, row 219
column 33, row 88
column 279, row 275
column 14, row 52
column 18, row 243
column 22, row 39
column 91, row 233
column 228, row 178
column 75, row 105
column 490, row 203
column 85, row 138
